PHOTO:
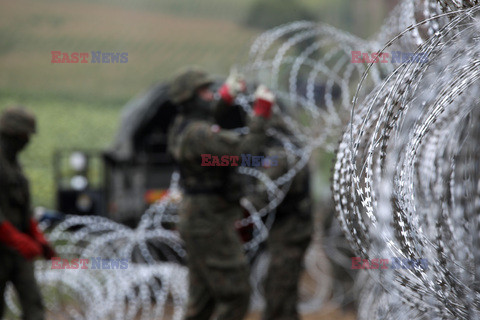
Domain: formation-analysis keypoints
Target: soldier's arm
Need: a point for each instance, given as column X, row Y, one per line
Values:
column 234, row 84
column 13, row 238
column 39, row 237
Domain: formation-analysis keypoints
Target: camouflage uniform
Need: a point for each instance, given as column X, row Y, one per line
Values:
column 218, row 270
column 15, row 209
column 288, row 240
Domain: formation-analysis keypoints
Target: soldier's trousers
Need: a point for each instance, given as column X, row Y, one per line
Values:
column 287, row 243
column 218, row 270
column 15, row 269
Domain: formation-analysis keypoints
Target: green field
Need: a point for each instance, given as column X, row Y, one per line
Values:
column 157, row 44
column 159, row 36
column 79, row 105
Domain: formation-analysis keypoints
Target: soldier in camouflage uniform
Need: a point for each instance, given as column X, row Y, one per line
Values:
column 290, row 233
column 218, row 271
column 20, row 239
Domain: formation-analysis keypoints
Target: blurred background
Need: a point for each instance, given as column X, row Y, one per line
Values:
column 79, row 105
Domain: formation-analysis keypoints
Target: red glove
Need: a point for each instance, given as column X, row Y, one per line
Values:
column 19, row 241
column 264, row 100
column 37, row 235
column 234, row 84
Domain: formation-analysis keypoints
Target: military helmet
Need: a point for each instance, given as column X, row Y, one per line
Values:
column 17, row 121
column 184, row 84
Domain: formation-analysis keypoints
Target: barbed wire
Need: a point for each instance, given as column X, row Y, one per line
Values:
column 405, row 180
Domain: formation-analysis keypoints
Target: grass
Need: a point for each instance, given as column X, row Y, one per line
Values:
column 158, row 42
column 78, row 105
column 160, row 36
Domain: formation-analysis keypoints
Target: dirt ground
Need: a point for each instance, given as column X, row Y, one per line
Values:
column 327, row 313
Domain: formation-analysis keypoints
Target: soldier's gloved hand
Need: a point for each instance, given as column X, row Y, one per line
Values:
column 13, row 238
column 234, row 85
column 47, row 250
column 264, row 101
